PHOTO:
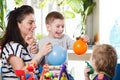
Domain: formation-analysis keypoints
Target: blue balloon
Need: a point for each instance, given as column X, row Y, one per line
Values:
column 57, row 56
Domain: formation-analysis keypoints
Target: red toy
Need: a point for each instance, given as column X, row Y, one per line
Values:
column 20, row 74
column 31, row 68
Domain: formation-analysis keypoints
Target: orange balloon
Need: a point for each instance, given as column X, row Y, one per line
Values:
column 80, row 47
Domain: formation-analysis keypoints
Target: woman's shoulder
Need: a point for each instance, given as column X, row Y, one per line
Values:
column 13, row 44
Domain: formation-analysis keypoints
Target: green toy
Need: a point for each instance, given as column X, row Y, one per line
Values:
column 91, row 68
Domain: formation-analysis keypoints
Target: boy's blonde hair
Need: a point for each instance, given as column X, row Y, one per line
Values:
column 105, row 58
column 52, row 16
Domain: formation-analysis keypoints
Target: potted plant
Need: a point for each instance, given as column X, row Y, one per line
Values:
column 82, row 7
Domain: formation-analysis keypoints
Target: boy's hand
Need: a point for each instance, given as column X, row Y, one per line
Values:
column 86, row 72
column 85, row 38
column 46, row 48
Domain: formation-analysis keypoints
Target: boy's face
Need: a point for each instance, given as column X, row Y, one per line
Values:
column 56, row 28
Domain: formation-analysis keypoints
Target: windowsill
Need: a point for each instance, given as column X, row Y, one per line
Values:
column 83, row 57
column 76, row 63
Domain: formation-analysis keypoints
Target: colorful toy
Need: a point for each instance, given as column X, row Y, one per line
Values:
column 48, row 73
column 20, row 74
column 57, row 56
column 91, row 68
column 63, row 73
column 31, row 68
column 30, row 76
column 54, row 73
column 80, row 46
column 45, row 70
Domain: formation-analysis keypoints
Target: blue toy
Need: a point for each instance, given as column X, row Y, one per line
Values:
column 57, row 56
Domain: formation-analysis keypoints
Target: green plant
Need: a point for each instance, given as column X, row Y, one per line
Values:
column 18, row 2
column 82, row 7
column 3, row 9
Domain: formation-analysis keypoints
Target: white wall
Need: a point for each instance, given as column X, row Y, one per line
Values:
column 96, row 18
column 109, row 11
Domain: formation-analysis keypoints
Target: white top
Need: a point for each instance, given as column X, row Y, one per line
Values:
column 65, row 41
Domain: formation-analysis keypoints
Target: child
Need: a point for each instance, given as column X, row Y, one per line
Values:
column 55, row 28
column 103, row 60
column 115, row 41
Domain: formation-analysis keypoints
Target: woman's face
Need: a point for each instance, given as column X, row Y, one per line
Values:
column 27, row 26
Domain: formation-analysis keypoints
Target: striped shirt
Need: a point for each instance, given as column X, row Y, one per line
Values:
column 15, row 49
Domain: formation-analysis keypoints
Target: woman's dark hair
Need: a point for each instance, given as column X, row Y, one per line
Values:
column 14, row 17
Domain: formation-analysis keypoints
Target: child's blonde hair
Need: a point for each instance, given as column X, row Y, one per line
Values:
column 105, row 58
column 53, row 15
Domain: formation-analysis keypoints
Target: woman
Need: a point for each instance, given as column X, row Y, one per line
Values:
column 15, row 53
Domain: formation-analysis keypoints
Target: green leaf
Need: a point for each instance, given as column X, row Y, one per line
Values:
column 42, row 4
column 90, row 8
column 18, row 2
column 38, row 36
column 76, row 6
column 69, row 14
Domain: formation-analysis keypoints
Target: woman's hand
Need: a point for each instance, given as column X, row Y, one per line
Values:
column 31, row 44
column 29, row 39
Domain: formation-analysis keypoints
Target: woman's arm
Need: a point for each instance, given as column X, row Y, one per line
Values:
column 18, row 64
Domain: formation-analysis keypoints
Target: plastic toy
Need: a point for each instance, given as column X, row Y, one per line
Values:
column 63, row 73
column 20, row 74
column 54, row 73
column 57, row 56
column 91, row 68
column 31, row 68
column 45, row 70
column 80, row 46
column 48, row 73
column 30, row 76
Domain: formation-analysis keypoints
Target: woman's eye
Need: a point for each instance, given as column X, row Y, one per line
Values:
column 30, row 22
